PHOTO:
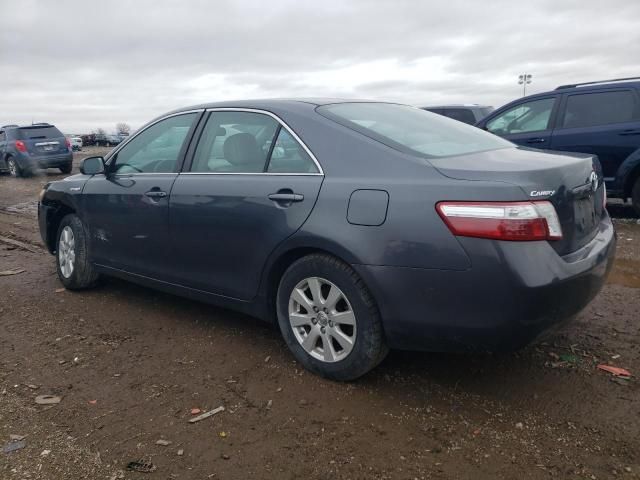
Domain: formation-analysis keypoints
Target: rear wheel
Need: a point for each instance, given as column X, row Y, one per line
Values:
column 73, row 267
column 329, row 319
column 14, row 168
column 67, row 168
column 635, row 196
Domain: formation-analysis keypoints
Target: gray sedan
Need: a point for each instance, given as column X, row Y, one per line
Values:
column 355, row 226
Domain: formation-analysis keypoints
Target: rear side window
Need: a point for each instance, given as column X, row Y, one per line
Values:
column 604, row 108
column 527, row 117
column 288, row 156
column 235, row 142
column 2, row 137
column 412, row 130
column 28, row 133
column 461, row 114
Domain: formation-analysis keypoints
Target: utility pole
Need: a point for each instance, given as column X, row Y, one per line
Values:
column 524, row 80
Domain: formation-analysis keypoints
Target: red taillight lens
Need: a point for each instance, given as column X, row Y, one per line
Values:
column 20, row 146
column 515, row 221
column 68, row 142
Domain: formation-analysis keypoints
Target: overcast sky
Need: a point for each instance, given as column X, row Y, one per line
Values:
column 87, row 64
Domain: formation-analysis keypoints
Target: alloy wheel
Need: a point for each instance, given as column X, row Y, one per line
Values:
column 13, row 168
column 322, row 319
column 66, row 251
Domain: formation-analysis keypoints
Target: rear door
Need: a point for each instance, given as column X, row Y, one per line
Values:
column 605, row 123
column 529, row 123
column 127, row 209
column 250, row 185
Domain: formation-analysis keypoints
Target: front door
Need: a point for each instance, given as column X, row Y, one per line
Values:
column 251, row 185
column 127, row 209
column 528, row 124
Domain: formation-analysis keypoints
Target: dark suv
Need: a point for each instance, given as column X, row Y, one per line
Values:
column 469, row 113
column 601, row 118
column 24, row 149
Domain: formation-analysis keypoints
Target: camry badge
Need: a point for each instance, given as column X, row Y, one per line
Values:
column 541, row 193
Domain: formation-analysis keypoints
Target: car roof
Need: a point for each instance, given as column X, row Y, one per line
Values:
column 458, row 105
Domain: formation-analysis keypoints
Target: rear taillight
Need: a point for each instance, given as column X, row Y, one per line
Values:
column 515, row 221
column 20, row 146
column 68, row 143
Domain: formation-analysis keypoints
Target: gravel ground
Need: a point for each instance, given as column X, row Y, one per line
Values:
column 130, row 363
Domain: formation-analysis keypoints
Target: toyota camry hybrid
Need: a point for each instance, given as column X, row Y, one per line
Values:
column 356, row 226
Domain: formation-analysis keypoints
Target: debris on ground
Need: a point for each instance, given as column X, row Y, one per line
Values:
column 45, row 453
column 195, row 411
column 141, row 466
column 206, row 414
column 616, row 371
column 16, row 438
column 60, row 290
column 266, row 360
column 6, row 273
column 269, row 404
column 222, row 434
column 93, row 402
column 48, row 399
column 519, row 425
column 180, row 452
column 13, row 446
column 164, row 443
column 569, row 358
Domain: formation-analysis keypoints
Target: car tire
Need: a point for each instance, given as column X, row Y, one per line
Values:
column 14, row 168
column 319, row 340
column 635, row 196
column 67, row 168
column 72, row 255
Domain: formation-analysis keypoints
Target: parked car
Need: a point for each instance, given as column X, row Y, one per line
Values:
column 112, row 140
column 470, row 113
column 24, row 149
column 357, row 226
column 601, row 118
column 76, row 143
column 100, row 139
column 88, row 140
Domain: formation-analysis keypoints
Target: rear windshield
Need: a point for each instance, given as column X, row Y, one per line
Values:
column 39, row 132
column 412, row 130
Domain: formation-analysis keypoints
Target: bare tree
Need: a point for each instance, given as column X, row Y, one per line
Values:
column 100, row 131
column 123, row 128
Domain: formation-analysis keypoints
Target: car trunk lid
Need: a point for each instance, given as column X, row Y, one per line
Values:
column 571, row 182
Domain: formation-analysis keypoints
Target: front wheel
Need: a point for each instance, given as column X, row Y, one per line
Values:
column 73, row 266
column 329, row 319
column 635, row 196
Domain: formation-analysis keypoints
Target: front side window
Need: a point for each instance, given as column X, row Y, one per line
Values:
column 527, row 117
column 288, row 156
column 591, row 109
column 412, row 130
column 156, row 149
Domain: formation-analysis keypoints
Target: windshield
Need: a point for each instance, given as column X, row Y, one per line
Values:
column 412, row 130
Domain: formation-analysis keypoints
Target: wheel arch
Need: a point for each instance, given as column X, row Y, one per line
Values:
column 283, row 258
column 55, row 216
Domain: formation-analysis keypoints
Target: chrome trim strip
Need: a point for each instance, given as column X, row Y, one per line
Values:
column 255, row 173
column 149, row 125
column 281, row 122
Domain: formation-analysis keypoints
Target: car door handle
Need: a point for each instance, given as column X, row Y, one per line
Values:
column 630, row 132
column 156, row 194
column 536, row 140
column 286, row 197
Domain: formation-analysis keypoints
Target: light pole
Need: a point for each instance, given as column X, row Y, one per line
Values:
column 524, row 80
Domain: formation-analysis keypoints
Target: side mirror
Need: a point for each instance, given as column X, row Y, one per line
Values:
column 92, row 166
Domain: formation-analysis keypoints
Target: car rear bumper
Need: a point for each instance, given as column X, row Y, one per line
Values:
column 48, row 161
column 513, row 291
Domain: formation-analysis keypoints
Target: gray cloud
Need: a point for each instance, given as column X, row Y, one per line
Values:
column 84, row 65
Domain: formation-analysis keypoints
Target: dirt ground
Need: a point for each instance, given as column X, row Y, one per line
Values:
column 130, row 364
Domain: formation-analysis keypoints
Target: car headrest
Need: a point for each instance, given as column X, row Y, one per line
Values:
column 242, row 149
